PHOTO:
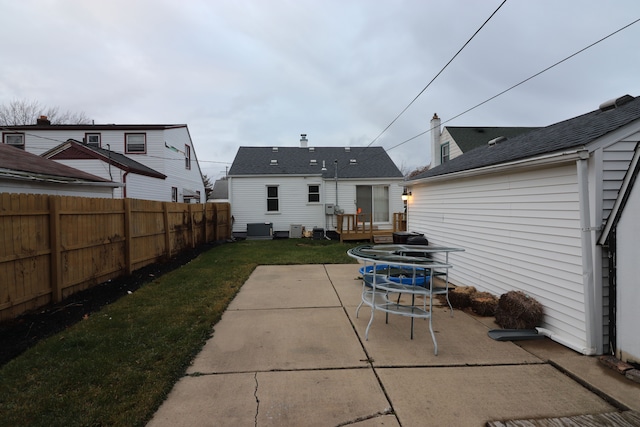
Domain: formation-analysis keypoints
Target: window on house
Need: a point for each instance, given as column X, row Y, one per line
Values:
column 314, row 194
column 15, row 139
column 187, row 157
column 93, row 139
column 174, row 194
column 374, row 200
column 272, row 198
column 136, row 142
column 444, row 152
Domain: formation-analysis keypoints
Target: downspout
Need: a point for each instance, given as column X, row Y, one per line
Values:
column 124, row 181
column 587, row 252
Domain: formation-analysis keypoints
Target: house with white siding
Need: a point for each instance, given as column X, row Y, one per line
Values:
column 620, row 239
column 26, row 173
column 164, row 148
column 528, row 211
column 308, row 186
column 138, row 180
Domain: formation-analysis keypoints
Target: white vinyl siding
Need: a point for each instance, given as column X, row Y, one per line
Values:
column 521, row 231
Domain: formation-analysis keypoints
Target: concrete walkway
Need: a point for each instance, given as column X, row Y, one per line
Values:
column 289, row 351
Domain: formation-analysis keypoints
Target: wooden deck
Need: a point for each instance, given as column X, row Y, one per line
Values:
column 360, row 227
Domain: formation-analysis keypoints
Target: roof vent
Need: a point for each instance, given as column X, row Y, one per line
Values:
column 497, row 140
column 615, row 103
column 274, row 162
column 312, row 149
column 313, row 162
column 352, row 161
column 274, row 149
column 347, row 149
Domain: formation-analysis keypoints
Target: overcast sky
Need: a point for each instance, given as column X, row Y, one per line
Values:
column 261, row 72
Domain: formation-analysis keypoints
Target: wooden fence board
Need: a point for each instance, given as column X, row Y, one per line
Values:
column 54, row 246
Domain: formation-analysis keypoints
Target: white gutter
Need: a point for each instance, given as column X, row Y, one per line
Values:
column 587, row 253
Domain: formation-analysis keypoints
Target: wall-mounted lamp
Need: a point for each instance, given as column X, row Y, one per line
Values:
column 405, row 195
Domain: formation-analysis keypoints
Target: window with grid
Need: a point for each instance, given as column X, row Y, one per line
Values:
column 15, row 139
column 136, row 142
column 314, row 194
column 272, row 198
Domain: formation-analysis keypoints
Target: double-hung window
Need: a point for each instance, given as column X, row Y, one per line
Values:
column 93, row 139
column 15, row 139
column 444, row 152
column 272, row 199
column 314, row 194
column 135, row 142
column 187, row 156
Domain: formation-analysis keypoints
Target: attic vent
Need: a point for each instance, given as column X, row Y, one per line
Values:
column 312, row 149
column 347, row 149
column 497, row 140
column 274, row 149
column 313, row 162
column 614, row 103
column 274, row 162
column 353, row 162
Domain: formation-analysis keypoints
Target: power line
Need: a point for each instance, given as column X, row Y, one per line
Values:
column 437, row 75
column 520, row 83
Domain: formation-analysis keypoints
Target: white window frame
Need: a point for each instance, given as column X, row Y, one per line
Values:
column 127, row 144
column 88, row 136
column 445, row 152
column 187, row 156
column 174, row 194
column 8, row 136
column 271, row 198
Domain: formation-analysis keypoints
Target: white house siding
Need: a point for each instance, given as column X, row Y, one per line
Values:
column 454, row 150
column 520, row 230
column 628, row 286
column 249, row 202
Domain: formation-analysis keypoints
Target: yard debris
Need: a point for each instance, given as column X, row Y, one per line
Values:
column 517, row 310
column 484, row 304
column 460, row 296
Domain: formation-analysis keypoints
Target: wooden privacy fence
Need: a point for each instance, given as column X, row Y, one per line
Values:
column 54, row 246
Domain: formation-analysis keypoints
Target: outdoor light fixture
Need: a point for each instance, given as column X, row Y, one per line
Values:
column 405, row 195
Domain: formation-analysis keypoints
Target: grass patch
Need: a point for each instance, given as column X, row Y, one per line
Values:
column 116, row 367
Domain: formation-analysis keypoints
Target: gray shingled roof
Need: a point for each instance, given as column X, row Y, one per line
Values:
column 15, row 159
column 470, row 137
column 371, row 162
column 572, row 133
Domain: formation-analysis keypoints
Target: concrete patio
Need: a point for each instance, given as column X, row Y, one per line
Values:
column 289, row 351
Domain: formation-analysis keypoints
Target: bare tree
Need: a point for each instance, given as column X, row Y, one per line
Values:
column 23, row 112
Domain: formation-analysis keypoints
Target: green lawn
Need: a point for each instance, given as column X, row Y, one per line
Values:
column 117, row 367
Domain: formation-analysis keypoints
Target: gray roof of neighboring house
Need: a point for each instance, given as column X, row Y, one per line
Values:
column 74, row 150
column 15, row 159
column 220, row 190
column 353, row 162
column 470, row 137
column 571, row 133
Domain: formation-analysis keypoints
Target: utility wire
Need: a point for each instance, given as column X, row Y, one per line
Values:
column 437, row 75
column 520, row 83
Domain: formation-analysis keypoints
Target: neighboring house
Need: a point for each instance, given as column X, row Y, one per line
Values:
column 308, row 186
column 528, row 209
column 166, row 149
column 22, row 172
column 138, row 180
column 620, row 238
column 453, row 141
column 220, row 191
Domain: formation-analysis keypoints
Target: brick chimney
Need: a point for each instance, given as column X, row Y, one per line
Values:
column 435, row 141
column 43, row 121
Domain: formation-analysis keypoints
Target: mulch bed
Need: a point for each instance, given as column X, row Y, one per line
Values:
column 25, row 331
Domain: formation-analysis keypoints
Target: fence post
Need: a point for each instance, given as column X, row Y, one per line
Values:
column 205, row 222
column 128, row 237
column 54, row 239
column 191, row 225
column 167, row 231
